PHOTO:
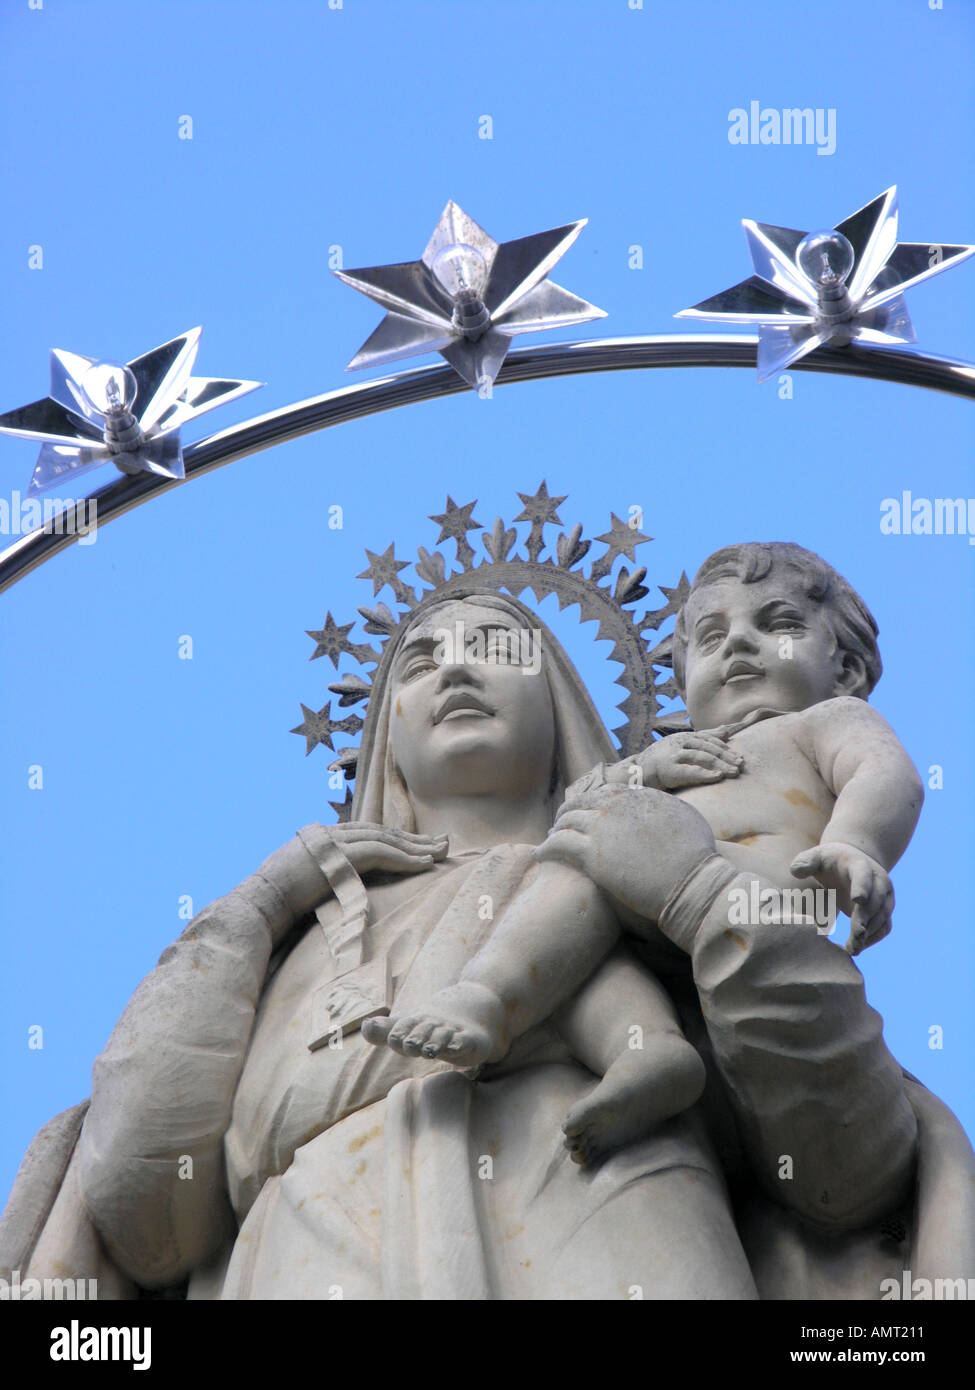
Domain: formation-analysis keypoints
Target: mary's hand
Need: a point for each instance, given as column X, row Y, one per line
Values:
column 636, row 844
column 299, row 872
column 382, row 849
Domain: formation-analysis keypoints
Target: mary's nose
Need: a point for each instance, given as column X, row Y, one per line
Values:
column 457, row 672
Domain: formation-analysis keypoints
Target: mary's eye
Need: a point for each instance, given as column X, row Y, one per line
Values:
column 710, row 640
column 499, row 647
column 786, row 622
column 418, row 667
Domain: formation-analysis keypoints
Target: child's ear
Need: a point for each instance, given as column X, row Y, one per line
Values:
column 852, row 679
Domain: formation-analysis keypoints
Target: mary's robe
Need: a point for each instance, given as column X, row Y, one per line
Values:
column 354, row 1171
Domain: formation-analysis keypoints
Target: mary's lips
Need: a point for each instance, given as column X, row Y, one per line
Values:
column 461, row 700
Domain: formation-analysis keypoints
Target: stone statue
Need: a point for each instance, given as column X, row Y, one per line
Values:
column 776, row 655
column 246, row 1139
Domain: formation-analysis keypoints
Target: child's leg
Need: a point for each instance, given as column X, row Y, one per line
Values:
column 622, row 1025
column 552, row 936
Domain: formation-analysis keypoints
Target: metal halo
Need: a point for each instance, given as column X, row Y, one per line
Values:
column 900, row 366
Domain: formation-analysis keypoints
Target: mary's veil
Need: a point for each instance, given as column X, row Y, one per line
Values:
column 581, row 739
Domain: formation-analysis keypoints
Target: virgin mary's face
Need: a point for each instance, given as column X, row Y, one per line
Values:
column 471, row 707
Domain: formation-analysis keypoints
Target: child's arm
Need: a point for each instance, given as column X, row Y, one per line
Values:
column 878, row 800
column 878, row 791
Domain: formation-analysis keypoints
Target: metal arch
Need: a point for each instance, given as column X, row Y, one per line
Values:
column 901, row 367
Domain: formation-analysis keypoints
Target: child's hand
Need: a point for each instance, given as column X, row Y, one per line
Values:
column 680, row 760
column 862, row 886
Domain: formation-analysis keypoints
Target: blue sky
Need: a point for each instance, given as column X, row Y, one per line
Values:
column 316, row 127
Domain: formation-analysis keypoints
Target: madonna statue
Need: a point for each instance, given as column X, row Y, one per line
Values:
column 244, row 1141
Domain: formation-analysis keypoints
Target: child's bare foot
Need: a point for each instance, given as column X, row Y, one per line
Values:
column 461, row 1025
column 624, row 1106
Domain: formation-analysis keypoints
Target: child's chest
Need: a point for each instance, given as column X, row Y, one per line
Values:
column 777, row 792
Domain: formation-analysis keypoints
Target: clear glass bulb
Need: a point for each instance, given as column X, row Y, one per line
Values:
column 108, row 386
column 461, row 269
column 825, row 258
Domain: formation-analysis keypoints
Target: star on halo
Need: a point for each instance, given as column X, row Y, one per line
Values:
column 541, row 510
column 383, row 569
column 622, row 539
column 318, row 726
column 129, row 414
column 795, row 313
column 454, row 523
column 331, row 640
column 467, row 296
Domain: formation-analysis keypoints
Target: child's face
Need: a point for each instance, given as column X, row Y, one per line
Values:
column 754, row 645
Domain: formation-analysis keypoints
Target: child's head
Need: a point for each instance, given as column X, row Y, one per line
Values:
column 771, row 624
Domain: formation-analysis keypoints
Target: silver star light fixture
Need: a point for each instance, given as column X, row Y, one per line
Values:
column 467, row 296
column 129, row 414
column 829, row 288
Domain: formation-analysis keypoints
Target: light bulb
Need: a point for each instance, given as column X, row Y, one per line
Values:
column 825, row 258
column 108, row 387
column 462, row 270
